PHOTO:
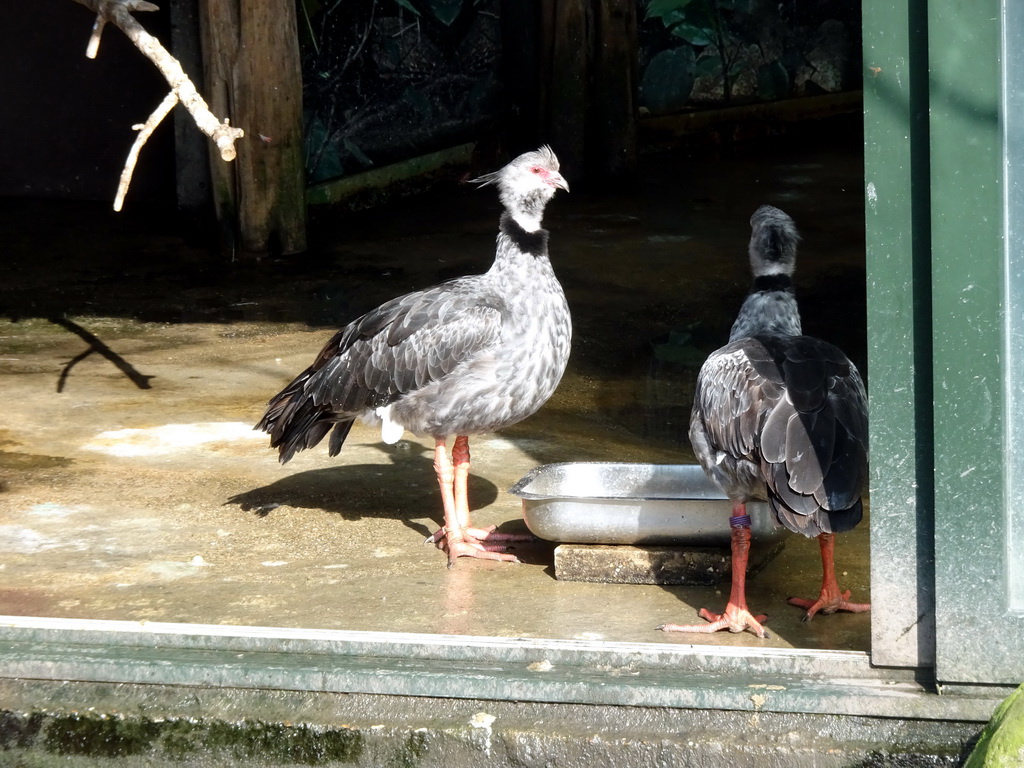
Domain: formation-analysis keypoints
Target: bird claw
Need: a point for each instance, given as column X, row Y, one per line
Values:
column 734, row 619
column 487, row 534
column 828, row 603
column 472, row 548
column 473, row 542
column 490, row 534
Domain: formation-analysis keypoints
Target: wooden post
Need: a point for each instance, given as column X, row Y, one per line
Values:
column 253, row 74
column 192, row 166
column 218, row 28
column 522, row 43
column 615, row 87
column 589, row 96
column 271, row 181
column 564, row 30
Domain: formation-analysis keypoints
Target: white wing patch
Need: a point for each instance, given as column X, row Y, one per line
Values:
column 390, row 432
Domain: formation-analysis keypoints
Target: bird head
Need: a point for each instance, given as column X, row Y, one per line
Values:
column 526, row 184
column 773, row 241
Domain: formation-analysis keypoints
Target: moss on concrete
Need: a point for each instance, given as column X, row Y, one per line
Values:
column 1001, row 744
column 100, row 735
column 276, row 742
column 19, row 731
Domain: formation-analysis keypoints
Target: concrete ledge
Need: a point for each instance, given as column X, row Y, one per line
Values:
column 87, row 725
column 500, row 669
column 86, row 693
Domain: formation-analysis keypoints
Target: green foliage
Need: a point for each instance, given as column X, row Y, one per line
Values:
column 668, row 79
column 772, row 81
column 323, row 160
column 386, row 79
column 687, row 19
column 694, row 34
column 700, row 23
column 709, row 64
column 446, row 11
column 661, row 8
column 720, row 31
column 407, row 5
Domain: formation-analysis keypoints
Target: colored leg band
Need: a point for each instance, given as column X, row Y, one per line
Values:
column 740, row 521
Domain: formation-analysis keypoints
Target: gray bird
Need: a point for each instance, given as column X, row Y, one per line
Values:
column 783, row 417
column 468, row 356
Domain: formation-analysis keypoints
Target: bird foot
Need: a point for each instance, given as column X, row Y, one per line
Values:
column 734, row 619
column 489, row 533
column 476, row 542
column 828, row 603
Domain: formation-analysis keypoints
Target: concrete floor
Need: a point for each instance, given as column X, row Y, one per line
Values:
column 133, row 487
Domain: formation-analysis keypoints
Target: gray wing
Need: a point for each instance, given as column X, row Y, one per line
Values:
column 790, row 412
column 395, row 349
column 729, row 407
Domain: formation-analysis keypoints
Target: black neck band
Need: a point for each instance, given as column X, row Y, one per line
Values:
column 533, row 243
column 773, row 283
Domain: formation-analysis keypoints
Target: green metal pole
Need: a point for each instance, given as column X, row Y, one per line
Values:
column 977, row 639
column 896, row 168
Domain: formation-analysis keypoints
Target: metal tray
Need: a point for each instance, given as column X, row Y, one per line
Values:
column 623, row 503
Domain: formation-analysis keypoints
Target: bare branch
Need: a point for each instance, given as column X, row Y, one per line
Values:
column 118, row 13
column 145, row 131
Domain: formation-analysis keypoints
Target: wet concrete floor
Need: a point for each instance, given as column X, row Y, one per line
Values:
column 133, row 365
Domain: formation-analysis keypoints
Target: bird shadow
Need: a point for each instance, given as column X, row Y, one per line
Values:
column 405, row 491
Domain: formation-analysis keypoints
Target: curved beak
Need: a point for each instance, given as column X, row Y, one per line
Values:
column 557, row 180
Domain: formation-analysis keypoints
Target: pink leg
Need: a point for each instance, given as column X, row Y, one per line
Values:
column 446, row 482
column 736, row 616
column 460, row 456
column 457, row 538
column 831, row 599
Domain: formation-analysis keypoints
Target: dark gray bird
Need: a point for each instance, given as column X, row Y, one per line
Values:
column 468, row 356
column 783, row 417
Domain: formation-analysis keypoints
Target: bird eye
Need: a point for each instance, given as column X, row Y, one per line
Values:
column 537, row 169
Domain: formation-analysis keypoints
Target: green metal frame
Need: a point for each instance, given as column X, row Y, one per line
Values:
column 898, row 241
column 938, row 369
column 1013, row 139
column 977, row 639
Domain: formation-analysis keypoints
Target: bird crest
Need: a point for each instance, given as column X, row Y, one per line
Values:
column 543, row 156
